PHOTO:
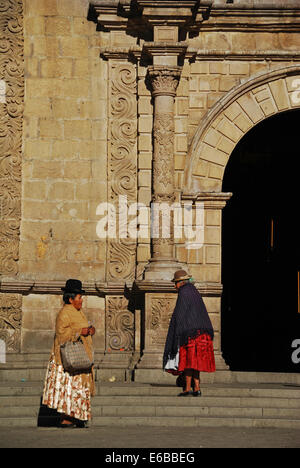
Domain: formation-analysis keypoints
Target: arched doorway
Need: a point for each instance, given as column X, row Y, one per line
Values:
column 261, row 248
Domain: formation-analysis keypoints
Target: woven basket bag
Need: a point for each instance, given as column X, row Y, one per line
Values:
column 74, row 357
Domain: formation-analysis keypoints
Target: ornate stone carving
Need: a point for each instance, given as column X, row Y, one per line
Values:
column 122, row 162
column 164, row 80
column 163, row 165
column 11, row 111
column 10, row 321
column 161, row 312
column 119, row 324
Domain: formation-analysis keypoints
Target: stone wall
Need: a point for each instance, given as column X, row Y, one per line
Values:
column 65, row 143
column 86, row 138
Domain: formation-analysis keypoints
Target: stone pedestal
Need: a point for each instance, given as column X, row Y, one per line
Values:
column 159, row 308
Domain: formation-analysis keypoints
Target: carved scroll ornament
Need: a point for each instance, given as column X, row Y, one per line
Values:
column 10, row 320
column 122, row 162
column 11, row 113
column 119, row 325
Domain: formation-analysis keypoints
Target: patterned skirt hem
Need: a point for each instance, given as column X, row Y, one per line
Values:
column 67, row 394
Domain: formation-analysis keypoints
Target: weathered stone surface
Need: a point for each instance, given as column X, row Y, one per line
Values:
column 105, row 116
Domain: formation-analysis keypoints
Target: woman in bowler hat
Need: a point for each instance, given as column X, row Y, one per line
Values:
column 69, row 394
column 189, row 343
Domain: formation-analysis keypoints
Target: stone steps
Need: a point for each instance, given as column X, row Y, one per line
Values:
column 229, row 405
column 161, row 411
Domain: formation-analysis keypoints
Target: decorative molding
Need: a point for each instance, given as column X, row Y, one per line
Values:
column 210, row 200
column 120, row 53
column 191, row 53
column 54, row 287
column 11, row 113
column 206, row 289
column 157, row 49
column 248, row 16
column 140, row 17
column 257, row 55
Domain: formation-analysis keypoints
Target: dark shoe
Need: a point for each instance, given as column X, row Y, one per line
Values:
column 81, row 424
column 197, row 393
column 184, row 394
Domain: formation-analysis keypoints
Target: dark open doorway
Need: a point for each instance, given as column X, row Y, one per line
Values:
column 261, row 248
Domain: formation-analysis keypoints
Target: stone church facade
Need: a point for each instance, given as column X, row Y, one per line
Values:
column 114, row 106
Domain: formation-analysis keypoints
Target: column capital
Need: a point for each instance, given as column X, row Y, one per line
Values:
column 164, row 80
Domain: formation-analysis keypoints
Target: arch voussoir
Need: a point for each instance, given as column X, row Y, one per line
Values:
column 227, row 123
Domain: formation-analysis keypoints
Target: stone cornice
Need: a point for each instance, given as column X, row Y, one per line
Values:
column 210, row 200
column 120, row 53
column 142, row 16
column 101, row 289
column 206, row 289
column 176, row 49
column 256, row 18
column 258, row 55
column 136, row 52
column 114, row 14
column 26, row 287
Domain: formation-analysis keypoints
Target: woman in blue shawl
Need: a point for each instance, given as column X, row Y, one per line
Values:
column 189, row 343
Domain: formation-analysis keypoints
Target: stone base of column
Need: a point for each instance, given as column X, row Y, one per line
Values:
column 220, row 362
column 162, row 269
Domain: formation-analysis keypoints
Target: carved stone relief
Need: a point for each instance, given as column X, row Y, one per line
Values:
column 164, row 128
column 122, row 163
column 119, row 324
column 161, row 310
column 10, row 321
column 11, row 112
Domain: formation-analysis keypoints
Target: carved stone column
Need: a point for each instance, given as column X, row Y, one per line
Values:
column 164, row 81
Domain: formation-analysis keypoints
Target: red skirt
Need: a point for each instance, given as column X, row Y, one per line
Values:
column 198, row 354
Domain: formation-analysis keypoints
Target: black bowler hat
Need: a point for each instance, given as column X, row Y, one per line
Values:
column 73, row 286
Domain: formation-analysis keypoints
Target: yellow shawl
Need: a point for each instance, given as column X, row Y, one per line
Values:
column 69, row 324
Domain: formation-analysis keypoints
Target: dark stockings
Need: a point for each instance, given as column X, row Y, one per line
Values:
column 191, row 374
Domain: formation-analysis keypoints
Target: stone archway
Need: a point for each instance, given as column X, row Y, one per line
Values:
column 220, row 131
column 260, row 248
column 231, row 118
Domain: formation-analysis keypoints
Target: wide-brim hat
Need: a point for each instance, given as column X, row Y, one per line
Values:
column 181, row 275
column 73, row 286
